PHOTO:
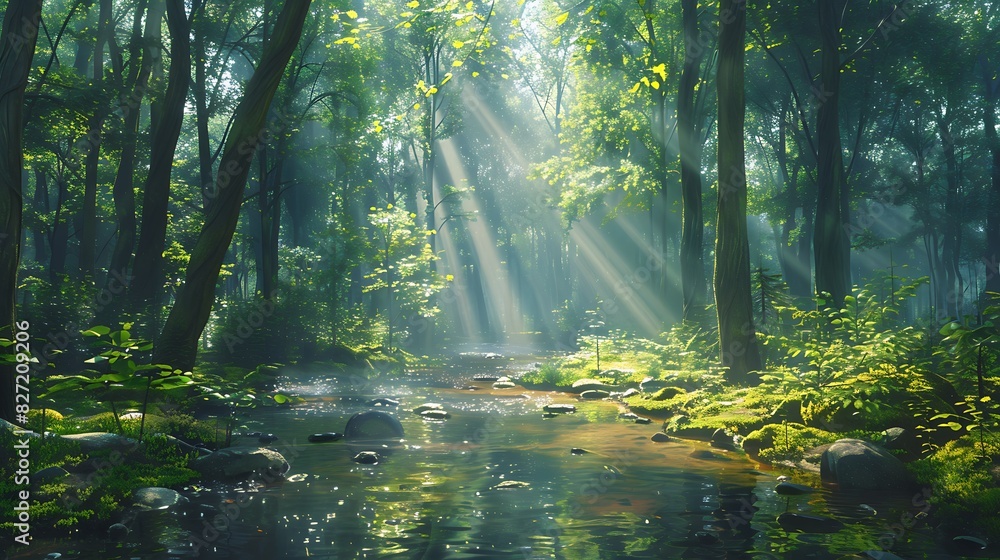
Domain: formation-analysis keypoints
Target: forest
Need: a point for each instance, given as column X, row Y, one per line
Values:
column 499, row 278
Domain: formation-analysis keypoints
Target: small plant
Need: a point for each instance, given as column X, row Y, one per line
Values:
column 120, row 378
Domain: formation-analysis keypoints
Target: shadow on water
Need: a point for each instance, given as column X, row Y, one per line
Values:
column 496, row 480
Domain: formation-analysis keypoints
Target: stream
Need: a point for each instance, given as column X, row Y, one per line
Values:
column 434, row 496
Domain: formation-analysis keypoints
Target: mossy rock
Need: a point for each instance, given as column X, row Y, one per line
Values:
column 737, row 420
column 767, row 445
column 667, row 393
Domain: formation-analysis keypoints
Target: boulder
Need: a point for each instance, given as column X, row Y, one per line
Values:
column 659, row 437
column 241, row 462
column 722, row 440
column 49, row 474
column 155, row 498
column 101, row 441
column 5, row 425
column 861, row 465
column 581, row 385
column 374, row 424
column 632, row 391
column 643, row 420
column 510, row 484
column 594, row 394
column 117, row 533
column 435, row 414
column 383, row 401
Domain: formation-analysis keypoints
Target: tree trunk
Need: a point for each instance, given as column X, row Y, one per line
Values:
column 737, row 340
column 147, row 284
column 17, row 46
column 41, row 204
column 88, row 235
column 992, row 257
column 692, row 234
column 951, row 249
column 178, row 342
column 59, row 238
column 831, row 246
column 123, row 191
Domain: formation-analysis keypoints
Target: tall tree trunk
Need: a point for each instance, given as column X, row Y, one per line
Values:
column 992, row 256
column 41, row 204
column 123, row 191
column 178, row 342
column 269, row 214
column 88, row 235
column 733, row 302
column 17, row 46
column 950, row 247
column 831, row 246
column 692, row 234
column 59, row 236
column 147, row 284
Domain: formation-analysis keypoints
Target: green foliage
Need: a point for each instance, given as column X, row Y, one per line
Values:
column 787, row 441
column 966, row 486
column 854, row 364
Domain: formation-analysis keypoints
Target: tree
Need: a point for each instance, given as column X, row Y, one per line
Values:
column 17, row 47
column 167, row 118
column 692, row 261
column 178, row 342
column 734, row 305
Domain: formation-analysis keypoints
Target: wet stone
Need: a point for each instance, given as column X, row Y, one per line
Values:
column 367, row 458
column 325, row 437
column 792, row 489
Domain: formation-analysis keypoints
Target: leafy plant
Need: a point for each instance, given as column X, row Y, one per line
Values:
column 119, row 378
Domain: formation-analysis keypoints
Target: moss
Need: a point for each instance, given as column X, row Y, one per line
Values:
column 785, row 442
column 667, row 393
column 966, row 486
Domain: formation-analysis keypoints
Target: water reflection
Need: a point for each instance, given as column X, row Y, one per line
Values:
column 439, row 493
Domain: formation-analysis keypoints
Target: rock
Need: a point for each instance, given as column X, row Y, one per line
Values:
column 659, row 437
column 629, row 392
column 50, row 474
column 722, row 440
column 428, row 406
column 900, row 439
column 117, row 532
column 504, row 383
column 628, row 416
column 651, row 384
column 791, row 489
column 808, row 523
column 508, row 484
column 666, row 393
column 101, row 441
column 373, row 424
column 241, row 462
column 267, row 439
column 155, row 498
column 581, row 385
column 383, row 401
column 578, row 451
column 492, row 356
column 435, row 414
column 325, row 437
column 965, row 544
column 643, row 420
column 560, row 408
column 5, row 425
column 549, row 415
column 367, row 458
column 594, row 394
column 857, row 464
column 485, row 377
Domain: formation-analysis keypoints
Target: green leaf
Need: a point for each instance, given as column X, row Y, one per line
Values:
column 561, row 18
column 280, row 399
